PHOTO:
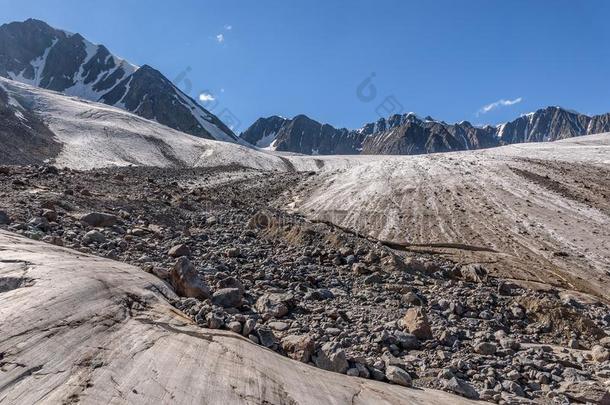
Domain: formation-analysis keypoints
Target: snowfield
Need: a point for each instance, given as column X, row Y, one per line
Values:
column 532, row 212
column 96, row 135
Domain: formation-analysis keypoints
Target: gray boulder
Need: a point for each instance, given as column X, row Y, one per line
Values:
column 331, row 358
column 272, row 305
column 398, row 376
column 228, row 297
column 99, row 220
column 179, row 250
column 461, row 387
column 298, row 347
column 93, row 237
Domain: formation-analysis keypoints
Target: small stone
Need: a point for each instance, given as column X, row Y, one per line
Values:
column 278, row 326
column 179, row 250
column 271, row 305
column 228, row 297
column 265, row 336
column 485, row 348
column 416, row 322
column 298, row 348
column 93, row 237
column 513, row 388
column 50, row 215
column 353, row 372
column 4, row 218
column 461, row 387
column 234, row 327
column 398, row 376
column 407, row 341
column 330, row 358
column 186, row 281
column 589, row 392
column 600, row 353
column 99, row 220
column 249, row 326
column 233, row 252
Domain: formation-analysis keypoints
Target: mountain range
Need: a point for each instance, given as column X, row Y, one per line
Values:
column 34, row 53
column 408, row 134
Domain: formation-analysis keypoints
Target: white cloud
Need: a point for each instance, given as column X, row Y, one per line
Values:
column 220, row 38
column 205, row 97
column 497, row 104
column 228, row 27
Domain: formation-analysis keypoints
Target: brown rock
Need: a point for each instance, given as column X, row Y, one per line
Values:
column 179, row 250
column 600, row 353
column 186, row 281
column 474, row 273
column 416, row 322
column 299, row 348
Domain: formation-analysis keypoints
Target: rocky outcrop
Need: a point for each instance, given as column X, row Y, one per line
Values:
column 34, row 53
column 263, row 132
column 186, row 281
column 408, row 134
column 303, row 135
column 106, row 333
column 24, row 138
column 548, row 124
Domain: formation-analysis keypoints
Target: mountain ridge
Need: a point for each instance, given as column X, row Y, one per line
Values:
column 406, row 134
column 34, row 53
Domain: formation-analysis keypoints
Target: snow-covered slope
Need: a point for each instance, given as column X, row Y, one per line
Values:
column 34, row 53
column 538, row 212
column 89, row 135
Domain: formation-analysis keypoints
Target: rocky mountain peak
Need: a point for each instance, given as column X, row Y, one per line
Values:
column 410, row 134
column 34, row 53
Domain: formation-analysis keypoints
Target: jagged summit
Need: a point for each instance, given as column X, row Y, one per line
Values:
column 409, row 134
column 34, row 53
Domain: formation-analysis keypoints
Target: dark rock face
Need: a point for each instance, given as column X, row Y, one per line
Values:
column 151, row 95
column 599, row 124
column 24, row 139
column 549, row 124
column 309, row 136
column 410, row 135
column 263, row 132
column 24, row 42
column 303, row 135
column 32, row 52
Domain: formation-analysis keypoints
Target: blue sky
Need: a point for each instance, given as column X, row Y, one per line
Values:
column 484, row 61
